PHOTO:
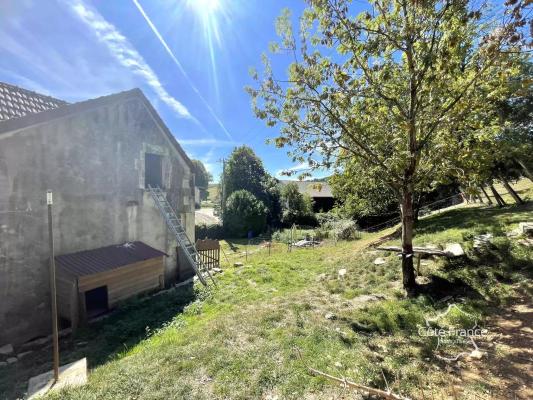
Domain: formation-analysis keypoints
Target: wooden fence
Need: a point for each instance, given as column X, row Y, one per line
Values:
column 209, row 251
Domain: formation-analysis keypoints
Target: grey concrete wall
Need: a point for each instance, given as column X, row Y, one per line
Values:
column 94, row 163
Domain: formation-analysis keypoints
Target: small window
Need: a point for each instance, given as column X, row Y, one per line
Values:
column 153, row 170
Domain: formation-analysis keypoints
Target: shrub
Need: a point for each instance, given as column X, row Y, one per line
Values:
column 332, row 225
column 297, row 207
column 243, row 213
column 210, row 231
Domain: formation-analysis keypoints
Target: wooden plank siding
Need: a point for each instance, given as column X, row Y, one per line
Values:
column 126, row 281
column 122, row 283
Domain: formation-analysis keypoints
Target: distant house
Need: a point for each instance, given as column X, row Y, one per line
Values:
column 98, row 157
column 320, row 192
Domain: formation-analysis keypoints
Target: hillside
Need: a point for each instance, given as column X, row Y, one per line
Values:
column 255, row 334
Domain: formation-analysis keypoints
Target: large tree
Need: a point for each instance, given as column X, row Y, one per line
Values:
column 202, row 177
column 244, row 170
column 397, row 88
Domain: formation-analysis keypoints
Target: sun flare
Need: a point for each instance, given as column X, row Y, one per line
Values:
column 205, row 7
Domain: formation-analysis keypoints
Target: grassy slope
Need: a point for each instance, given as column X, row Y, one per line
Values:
column 240, row 341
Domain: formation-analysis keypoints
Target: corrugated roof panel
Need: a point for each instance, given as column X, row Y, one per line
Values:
column 103, row 259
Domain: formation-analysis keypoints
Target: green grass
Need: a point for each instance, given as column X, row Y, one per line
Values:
column 244, row 339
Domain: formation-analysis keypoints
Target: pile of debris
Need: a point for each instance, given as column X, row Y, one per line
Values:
column 306, row 243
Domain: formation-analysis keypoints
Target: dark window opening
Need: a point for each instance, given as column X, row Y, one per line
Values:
column 96, row 301
column 153, row 170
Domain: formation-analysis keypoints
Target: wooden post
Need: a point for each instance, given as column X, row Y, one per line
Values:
column 486, row 195
column 511, row 191
column 418, row 265
column 497, row 196
column 526, row 170
column 53, row 295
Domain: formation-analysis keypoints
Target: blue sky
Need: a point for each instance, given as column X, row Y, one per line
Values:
column 190, row 57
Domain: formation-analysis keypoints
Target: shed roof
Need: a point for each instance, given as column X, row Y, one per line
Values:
column 312, row 188
column 16, row 102
column 107, row 258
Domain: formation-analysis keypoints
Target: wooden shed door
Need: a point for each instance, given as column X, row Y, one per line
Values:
column 96, row 301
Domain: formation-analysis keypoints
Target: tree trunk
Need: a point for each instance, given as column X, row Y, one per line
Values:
column 408, row 271
column 497, row 196
column 527, row 172
column 511, row 191
column 486, row 195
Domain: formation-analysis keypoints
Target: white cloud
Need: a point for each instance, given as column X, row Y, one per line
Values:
column 125, row 53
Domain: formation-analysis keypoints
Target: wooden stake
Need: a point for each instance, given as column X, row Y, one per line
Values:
column 53, row 295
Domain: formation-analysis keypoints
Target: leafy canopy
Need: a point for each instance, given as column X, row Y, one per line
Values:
column 244, row 213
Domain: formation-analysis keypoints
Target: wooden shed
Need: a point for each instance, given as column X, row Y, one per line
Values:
column 91, row 282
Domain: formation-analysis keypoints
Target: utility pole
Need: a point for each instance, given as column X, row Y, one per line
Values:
column 223, row 186
column 53, row 296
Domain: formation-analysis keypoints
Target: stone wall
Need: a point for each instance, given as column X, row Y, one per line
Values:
column 94, row 163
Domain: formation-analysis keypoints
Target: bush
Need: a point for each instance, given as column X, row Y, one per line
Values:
column 332, row 225
column 297, row 207
column 210, row 231
column 243, row 213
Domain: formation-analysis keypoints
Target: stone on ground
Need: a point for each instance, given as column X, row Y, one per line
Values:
column 526, row 228
column 238, row 264
column 73, row 374
column 342, row 272
column 379, row 261
column 454, row 250
column 6, row 349
column 330, row 316
column 12, row 360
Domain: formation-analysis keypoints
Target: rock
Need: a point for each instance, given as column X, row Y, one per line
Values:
column 21, row 355
column 477, row 354
column 330, row 316
column 338, row 365
column 482, row 241
column 2, row 364
column 379, row 261
column 526, row 228
column 454, row 250
column 6, row 349
column 217, row 270
column 238, row 264
column 342, row 272
column 12, row 360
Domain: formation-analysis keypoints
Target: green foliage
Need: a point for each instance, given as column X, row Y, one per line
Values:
column 297, row 207
column 202, row 177
column 244, row 212
column 337, row 227
column 408, row 100
column 245, row 171
column 210, row 231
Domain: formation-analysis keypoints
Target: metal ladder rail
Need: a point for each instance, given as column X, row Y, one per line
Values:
column 174, row 225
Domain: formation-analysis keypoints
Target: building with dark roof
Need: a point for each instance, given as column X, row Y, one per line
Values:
column 98, row 157
column 320, row 192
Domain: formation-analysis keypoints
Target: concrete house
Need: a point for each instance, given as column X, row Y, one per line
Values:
column 97, row 156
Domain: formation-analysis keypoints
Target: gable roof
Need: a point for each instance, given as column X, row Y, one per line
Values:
column 66, row 109
column 89, row 262
column 16, row 102
column 313, row 189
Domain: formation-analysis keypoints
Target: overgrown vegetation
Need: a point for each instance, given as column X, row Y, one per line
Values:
column 240, row 340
